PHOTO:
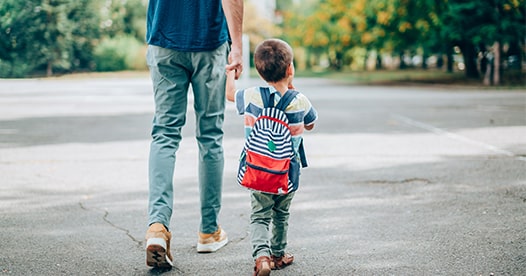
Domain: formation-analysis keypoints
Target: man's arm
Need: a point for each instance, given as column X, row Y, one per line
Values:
column 233, row 10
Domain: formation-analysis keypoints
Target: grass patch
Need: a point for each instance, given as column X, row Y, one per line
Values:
column 388, row 76
column 510, row 79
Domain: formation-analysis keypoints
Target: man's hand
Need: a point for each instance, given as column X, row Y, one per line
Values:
column 235, row 61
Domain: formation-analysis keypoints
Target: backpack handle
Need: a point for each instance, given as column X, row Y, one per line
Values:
column 268, row 98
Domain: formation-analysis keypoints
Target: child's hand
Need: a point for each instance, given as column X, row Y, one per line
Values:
column 230, row 84
column 230, row 73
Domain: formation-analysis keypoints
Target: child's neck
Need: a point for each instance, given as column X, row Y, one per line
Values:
column 281, row 86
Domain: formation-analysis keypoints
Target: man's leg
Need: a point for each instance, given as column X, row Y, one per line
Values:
column 170, row 83
column 208, row 84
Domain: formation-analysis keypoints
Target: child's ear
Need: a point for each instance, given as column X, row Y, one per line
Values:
column 290, row 69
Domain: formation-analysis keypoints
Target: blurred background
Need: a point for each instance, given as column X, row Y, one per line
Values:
column 465, row 41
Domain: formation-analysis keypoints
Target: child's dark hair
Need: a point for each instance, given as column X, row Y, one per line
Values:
column 272, row 58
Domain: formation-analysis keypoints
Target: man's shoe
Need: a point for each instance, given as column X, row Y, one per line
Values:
column 262, row 267
column 158, row 246
column 281, row 262
column 209, row 243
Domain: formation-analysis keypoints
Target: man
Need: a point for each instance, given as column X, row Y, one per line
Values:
column 189, row 44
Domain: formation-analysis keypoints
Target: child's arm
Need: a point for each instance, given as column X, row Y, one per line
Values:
column 230, row 85
column 311, row 116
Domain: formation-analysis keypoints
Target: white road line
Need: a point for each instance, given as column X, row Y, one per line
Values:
column 454, row 136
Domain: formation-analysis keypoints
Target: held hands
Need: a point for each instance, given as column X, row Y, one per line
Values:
column 234, row 68
column 235, row 61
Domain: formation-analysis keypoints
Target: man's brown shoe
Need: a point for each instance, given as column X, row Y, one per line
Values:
column 158, row 246
column 262, row 267
column 281, row 262
column 208, row 243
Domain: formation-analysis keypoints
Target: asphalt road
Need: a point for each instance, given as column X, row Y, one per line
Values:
column 402, row 181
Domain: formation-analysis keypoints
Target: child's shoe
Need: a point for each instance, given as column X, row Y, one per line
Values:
column 281, row 262
column 262, row 267
column 209, row 243
column 158, row 246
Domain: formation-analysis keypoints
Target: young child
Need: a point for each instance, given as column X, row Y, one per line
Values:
column 273, row 60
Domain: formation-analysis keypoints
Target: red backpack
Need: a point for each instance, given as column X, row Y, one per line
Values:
column 268, row 162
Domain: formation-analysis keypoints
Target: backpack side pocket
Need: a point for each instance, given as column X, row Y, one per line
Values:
column 294, row 174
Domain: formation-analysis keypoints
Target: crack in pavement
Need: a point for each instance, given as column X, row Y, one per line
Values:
column 139, row 243
column 403, row 181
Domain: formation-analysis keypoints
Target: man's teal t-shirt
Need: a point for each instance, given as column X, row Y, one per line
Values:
column 186, row 25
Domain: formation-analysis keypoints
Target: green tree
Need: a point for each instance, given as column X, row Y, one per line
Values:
column 470, row 24
column 400, row 26
column 123, row 17
column 54, row 34
column 123, row 29
column 86, row 34
column 48, row 34
column 336, row 26
column 299, row 31
column 327, row 29
column 16, row 44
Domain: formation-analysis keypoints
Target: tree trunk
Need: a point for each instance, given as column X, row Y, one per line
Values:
column 402, row 62
column 49, row 70
column 449, row 54
column 516, row 52
column 378, row 61
column 365, row 60
column 496, row 63
column 336, row 63
column 470, row 56
column 440, row 61
column 424, row 60
column 308, row 58
column 487, row 74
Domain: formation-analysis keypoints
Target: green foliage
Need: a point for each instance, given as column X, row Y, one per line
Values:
column 122, row 52
column 16, row 45
column 123, row 17
column 85, row 34
column 337, row 26
column 50, row 34
column 474, row 25
column 61, row 35
column 398, row 27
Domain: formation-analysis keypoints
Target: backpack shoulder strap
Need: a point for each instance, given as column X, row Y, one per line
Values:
column 286, row 99
column 265, row 96
column 282, row 105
